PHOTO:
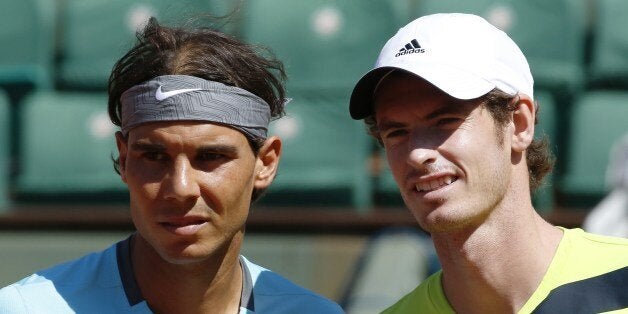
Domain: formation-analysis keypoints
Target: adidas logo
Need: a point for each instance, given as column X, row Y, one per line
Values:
column 411, row 47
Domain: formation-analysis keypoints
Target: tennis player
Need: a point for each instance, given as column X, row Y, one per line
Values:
column 451, row 98
column 193, row 108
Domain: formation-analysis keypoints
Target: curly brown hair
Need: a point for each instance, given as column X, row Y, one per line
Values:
column 539, row 157
column 201, row 52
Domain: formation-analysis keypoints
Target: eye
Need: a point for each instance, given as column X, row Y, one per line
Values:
column 390, row 137
column 395, row 133
column 154, row 156
column 448, row 121
column 209, row 156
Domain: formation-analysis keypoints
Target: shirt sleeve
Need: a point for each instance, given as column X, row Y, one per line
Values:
column 11, row 301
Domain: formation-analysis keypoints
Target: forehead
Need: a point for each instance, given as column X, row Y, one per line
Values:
column 403, row 81
column 403, row 88
column 406, row 98
column 187, row 132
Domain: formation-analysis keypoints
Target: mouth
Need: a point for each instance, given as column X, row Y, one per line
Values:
column 435, row 184
column 184, row 227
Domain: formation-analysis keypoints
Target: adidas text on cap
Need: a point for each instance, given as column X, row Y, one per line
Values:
column 461, row 54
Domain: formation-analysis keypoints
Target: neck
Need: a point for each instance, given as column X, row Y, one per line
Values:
column 211, row 285
column 497, row 265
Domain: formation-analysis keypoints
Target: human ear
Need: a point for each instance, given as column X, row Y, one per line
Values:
column 122, row 144
column 267, row 162
column 523, row 117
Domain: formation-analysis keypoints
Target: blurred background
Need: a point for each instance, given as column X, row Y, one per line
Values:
column 333, row 221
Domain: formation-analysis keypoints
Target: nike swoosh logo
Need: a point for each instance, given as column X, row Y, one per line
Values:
column 159, row 95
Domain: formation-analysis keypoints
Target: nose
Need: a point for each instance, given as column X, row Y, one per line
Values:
column 422, row 150
column 181, row 182
column 420, row 157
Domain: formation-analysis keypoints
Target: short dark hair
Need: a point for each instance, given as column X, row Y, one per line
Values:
column 499, row 104
column 539, row 157
column 201, row 52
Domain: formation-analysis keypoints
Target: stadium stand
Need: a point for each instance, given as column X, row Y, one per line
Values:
column 600, row 114
column 323, row 43
column 599, row 118
column 90, row 44
column 606, row 104
column 67, row 144
column 610, row 216
column 324, row 157
column 404, row 11
column 326, row 45
column 609, row 65
column 4, row 150
column 381, row 266
column 27, row 37
column 551, row 34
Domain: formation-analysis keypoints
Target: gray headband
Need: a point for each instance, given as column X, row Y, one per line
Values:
column 183, row 97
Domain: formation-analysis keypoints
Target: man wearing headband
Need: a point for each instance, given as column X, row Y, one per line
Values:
column 451, row 100
column 193, row 107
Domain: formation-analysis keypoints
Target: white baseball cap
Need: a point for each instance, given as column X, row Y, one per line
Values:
column 461, row 54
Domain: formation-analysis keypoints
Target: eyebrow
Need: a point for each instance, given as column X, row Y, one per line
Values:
column 148, row 147
column 387, row 125
column 463, row 108
column 225, row 149
column 449, row 108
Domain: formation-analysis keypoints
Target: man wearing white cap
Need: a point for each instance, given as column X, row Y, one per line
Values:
column 193, row 106
column 451, row 100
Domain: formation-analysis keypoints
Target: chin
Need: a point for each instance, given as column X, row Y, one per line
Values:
column 442, row 219
column 184, row 257
column 183, row 252
column 187, row 260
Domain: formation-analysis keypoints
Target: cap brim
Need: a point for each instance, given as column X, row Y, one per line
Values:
column 454, row 82
column 361, row 102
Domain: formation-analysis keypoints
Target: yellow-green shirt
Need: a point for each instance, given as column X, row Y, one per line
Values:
column 588, row 274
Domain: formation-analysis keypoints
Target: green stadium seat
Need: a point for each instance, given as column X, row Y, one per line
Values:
column 95, row 34
column 67, row 142
column 27, row 37
column 598, row 119
column 4, row 150
column 324, row 154
column 323, row 43
column 609, row 65
column 479, row 7
column 404, row 10
column 387, row 192
column 551, row 34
